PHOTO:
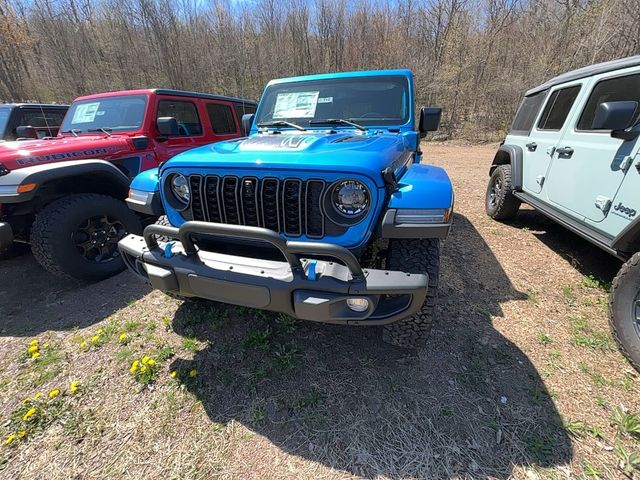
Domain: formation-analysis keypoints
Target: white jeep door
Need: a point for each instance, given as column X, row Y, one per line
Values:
column 589, row 165
column 545, row 135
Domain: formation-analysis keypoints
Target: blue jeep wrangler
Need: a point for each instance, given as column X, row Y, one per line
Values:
column 322, row 212
column 573, row 154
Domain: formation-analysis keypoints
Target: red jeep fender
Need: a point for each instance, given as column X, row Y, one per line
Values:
column 95, row 172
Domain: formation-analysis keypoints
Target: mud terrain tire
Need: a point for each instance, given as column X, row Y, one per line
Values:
column 57, row 223
column 414, row 256
column 624, row 310
column 500, row 204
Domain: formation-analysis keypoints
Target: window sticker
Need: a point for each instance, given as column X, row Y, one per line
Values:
column 325, row 100
column 85, row 113
column 296, row 105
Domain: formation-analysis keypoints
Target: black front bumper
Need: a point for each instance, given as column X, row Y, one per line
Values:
column 301, row 286
column 6, row 235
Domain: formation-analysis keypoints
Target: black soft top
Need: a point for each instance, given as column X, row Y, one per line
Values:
column 587, row 72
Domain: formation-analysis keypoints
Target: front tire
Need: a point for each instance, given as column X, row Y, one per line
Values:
column 76, row 237
column 624, row 310
column 414, row 256
column 500, row 203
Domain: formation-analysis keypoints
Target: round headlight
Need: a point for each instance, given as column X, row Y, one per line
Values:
column 180, row 188
column 350, row 197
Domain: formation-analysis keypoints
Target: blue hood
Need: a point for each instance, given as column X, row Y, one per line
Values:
column 363, row 153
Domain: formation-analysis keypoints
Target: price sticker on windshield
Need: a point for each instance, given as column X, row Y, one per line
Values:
column 296, row 105
column 85, row 113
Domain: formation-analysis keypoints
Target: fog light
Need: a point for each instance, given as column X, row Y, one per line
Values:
column 358, row 304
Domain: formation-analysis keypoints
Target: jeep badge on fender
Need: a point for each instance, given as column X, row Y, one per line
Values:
column 630, row 212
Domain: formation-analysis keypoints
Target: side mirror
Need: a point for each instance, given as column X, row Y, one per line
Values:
column 167, row 126
column 429, row 120
column 25, row 132
column 247, row 121
column 614, row 115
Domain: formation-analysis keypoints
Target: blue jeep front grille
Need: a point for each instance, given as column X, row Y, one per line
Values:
column 290, row 206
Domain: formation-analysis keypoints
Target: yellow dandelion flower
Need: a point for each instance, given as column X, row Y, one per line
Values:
column 37, row 395
column 75, row 386
column 100, row 332
column 32, row 349
column 33, row 342
column 193, row 373
column 54, row 393
column 22, row 433
column 123, row 337
column 134, row 366
column 10, row 439
column 29, row 414
column 151, row 362
column 173, row 374
column 145, row 359
column 95, row 338
column 83, row 344
column 35, row 355
column 143, row 368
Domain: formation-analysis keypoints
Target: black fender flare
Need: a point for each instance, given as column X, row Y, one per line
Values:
column 627, row 242
column 42, row 174
column 509, row 155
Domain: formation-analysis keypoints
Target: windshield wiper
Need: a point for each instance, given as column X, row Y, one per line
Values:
column 337, row 121
column 282, row 123
column 73, row 132
column 105, row 130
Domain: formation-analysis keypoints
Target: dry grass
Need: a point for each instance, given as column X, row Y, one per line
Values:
column 520, row 377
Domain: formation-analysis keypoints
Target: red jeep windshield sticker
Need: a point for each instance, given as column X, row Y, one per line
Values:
column 85, row 113
column 68, row 155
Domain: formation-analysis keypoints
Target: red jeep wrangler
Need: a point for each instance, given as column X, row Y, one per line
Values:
column 65, row 195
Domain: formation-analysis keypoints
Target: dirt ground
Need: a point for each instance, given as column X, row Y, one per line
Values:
column 520, row 377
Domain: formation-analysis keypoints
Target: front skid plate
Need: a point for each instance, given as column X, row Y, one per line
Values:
column 276, row 286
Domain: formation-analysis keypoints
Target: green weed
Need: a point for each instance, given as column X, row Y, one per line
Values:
column 189, row 344
column 260, row 339
column 544, row 339
column 626, row 422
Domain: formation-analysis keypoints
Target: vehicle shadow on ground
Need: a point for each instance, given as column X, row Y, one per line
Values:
column 33, row 301
column 469, row 404
column 585, row 257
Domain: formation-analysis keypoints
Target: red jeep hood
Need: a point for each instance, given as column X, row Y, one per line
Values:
column 14, row 155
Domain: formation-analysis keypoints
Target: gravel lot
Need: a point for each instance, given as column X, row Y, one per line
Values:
column 519, row 378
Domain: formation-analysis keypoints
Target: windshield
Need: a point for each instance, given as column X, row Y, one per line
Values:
column 379, row 101
column 114, row 114
column 4, row 118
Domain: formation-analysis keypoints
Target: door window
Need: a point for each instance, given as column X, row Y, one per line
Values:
column 185, row 114
column 557, row 108
column 612, row 90
column 527, row 113
column 221, row 118
column 243, row 109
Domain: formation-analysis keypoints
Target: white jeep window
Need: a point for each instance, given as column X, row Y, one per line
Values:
column 618, row 89
column 557, row 108
column 527, row 113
